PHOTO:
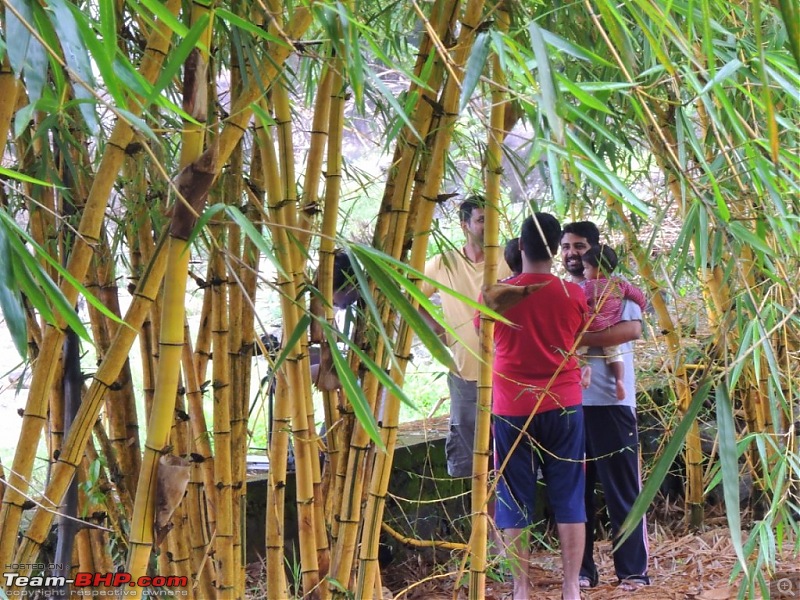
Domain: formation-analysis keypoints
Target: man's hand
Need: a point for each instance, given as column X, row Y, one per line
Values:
column 502, row 296
column 623, row 332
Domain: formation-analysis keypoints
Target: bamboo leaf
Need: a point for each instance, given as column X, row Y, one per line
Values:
column 398, row 109
column 559, row 197
column 620, row 36
column 661, row 468
column 32, row 291
column 791, row 20
column 77, row 58
column 388, row 286
column 102, row 54
column 354, row 62
column 408, row 272
column 748, row 238
column 386, row 381
column 582, row 96
column 10, row 300
column 566, row 47
column 255, row 236
column 159, row 10
column 52, row 292
column 291, row 342
column 31, row 272
column 108, row 26
column 26, row 53
column 474, row 67
column 353, row 390
column 138, row 124
column 550, row 99
column 248, row 26
column 729, row 461
column 26, row 178
column 723, row 74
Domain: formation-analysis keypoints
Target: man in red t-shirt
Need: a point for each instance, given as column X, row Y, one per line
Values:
column 536, row 399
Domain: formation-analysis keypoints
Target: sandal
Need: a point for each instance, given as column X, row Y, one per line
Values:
column 633, row 583
column 589, row 581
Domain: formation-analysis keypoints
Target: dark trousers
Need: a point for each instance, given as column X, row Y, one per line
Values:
column 612, row 452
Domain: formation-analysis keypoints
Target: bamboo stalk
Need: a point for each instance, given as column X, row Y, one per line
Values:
column 397, row 210
column 118, row 401
column 8, row 100
column 112, row 465
column 428, row 192
column 170, row 345
column 309, row 202
column 78, row 264
column 177, row 559
column 223, row 555
column 281, row 420
column 241, row 111
column 305, row 447
column 201, row 513
column 202, row 348
column 480, row 469
column 680, row 378
column 336, row 447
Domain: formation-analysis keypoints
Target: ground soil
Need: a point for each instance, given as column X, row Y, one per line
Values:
column 694, row 566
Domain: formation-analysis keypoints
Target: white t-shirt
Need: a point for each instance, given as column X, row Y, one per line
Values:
column 603, row 390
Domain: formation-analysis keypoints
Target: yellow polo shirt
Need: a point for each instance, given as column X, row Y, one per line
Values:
column 454, row 270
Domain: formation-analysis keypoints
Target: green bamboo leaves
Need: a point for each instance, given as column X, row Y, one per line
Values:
column 10, row 299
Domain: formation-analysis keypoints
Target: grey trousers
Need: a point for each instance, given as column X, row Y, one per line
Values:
column 461, row 436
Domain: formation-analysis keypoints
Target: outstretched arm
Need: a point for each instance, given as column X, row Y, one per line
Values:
column 620, row 333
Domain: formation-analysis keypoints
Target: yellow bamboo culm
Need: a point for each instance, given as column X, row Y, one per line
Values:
column 427, row 189
column 480, row 469
column 8, row 100
column 280, row 426
column 396, row 213
column 201, row 497
column 223, row 555
column 309, row 202
column 158, row 429
column 192, row 184
column 77, row 266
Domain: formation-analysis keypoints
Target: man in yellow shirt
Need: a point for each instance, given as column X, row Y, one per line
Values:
column 462, row 271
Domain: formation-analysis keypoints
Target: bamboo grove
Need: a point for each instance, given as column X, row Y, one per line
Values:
column 202, row 148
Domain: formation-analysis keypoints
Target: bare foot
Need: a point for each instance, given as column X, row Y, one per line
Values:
column 586, row 376
column 620, row 389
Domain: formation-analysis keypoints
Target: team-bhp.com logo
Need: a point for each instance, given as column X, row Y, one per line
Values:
column 86, row 584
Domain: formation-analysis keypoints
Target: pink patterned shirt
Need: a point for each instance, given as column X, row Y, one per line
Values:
column 605, row 297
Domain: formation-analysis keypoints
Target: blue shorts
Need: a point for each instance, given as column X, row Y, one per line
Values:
column 555, row 442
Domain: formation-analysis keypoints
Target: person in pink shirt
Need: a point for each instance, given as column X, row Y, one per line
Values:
column 605, row 295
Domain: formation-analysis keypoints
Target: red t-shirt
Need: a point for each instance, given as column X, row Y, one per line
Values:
column 536, row 350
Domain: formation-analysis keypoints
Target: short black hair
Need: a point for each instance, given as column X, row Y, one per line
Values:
column 601, row 257
column 467, row 206
column 343, row 272
column 513, row 255
column 584, row 229
column 544, row 245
